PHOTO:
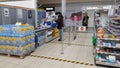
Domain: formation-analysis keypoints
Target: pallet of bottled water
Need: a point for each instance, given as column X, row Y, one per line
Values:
column 16, row 40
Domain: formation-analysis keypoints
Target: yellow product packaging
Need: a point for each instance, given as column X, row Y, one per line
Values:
column 12, row 48
column 22, row 29
column 0, row 47
column 27, row 29
column 28, row 37
column 0, row 29
column 22, row 39
column 13, row 39
column 3, row 47
column 33, row 44
column 33, row 36
column 7, row 47
column 1, row 38
column 7, row 39
column 26, row 47
column 30, row 45
column 22, row 49
column 32, row 27
column 113, row 37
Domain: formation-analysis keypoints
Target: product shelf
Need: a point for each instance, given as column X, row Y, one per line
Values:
column 108, row 64
column 114, row 29
column 116, row 54
column 107, row 50
column 115, row 25
column 116, row 34
column 108, row 46
column 114, row 22
column 116, row 39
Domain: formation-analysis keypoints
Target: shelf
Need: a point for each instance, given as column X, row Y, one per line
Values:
column 108, row 64
column 109, row 47
column 115, row 30
column 115, row 26
column 49, row 35
column 109, row 39
column 114, row 22
column 109, row 53
column 112, row 31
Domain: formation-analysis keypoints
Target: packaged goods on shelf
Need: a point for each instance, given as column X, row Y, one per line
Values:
column 16, row 40
column 107, row 49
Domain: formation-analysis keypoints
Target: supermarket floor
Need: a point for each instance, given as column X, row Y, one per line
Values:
column 79, row 50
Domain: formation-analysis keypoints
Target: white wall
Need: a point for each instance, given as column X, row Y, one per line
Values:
column 27, row 3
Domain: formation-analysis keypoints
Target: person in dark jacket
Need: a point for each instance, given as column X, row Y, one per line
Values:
column 85, row 20
column 59, row 21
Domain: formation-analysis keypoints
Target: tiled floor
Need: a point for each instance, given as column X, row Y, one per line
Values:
column 80, row 50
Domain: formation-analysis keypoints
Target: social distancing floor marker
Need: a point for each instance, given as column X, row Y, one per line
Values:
column 62, row 60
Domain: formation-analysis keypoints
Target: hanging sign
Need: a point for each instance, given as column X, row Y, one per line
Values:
column 82, row 28
column 29, row 14
column 19, row 13
column 6, row 12
column 50, row 8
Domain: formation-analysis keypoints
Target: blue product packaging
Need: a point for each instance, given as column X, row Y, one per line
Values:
column 113, row 43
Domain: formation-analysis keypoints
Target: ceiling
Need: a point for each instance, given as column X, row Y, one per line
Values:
column 71, row 1
column 9, row 0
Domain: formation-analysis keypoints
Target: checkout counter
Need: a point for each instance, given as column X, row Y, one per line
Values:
column 44, row 35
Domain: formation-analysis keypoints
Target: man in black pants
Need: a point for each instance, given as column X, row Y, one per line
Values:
column 85, row 20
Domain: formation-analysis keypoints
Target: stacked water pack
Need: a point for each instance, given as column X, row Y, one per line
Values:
column 16, row 40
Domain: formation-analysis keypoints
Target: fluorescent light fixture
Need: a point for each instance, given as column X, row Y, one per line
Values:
column 107, row 7
column 90, row 8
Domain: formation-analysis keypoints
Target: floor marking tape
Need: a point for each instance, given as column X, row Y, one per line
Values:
column 62, row 60
column 73, row 44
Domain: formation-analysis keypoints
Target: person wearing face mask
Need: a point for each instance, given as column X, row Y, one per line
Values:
column 59, row 21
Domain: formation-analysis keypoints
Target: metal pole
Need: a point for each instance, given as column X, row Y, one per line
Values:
column 75, row 22
column 36, row 13
column 63, row 5
column 64, row 8
column 69, row 37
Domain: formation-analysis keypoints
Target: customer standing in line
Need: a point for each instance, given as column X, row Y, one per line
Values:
column 59, row 21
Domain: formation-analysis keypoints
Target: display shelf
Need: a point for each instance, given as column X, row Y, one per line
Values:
column 116, row 34
column 114, row 22
column 114, row 29
column 115, row 26
column 108, row 46
column 116, row 39
column 108, row 64
column 101, row 52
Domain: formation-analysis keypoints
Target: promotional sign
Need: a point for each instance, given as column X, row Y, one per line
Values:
column 19, row 13
column 44, row 14
column 6, row 12
column 82, row 28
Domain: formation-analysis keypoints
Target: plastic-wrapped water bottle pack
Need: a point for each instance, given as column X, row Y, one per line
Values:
column 16, row 40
